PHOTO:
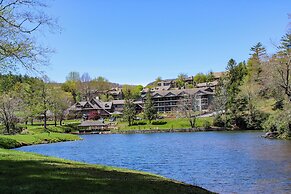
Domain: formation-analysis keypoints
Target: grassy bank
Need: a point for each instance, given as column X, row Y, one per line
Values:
column 179, row 123
column 31, row 173
column 13, row 141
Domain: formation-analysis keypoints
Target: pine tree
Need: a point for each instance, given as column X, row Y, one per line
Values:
column 150, row 111
column 129, row 111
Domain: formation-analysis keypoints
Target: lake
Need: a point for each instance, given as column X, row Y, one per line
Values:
column 224, row 162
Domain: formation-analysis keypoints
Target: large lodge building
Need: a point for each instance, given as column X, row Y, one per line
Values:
column 165, row 97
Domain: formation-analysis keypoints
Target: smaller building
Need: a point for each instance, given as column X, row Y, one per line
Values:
column 92, row 126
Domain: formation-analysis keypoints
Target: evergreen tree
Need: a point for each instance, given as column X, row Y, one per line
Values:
column 129, row 112
column 258, row 53
column 150, row 112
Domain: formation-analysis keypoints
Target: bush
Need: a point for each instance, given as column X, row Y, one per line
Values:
column 139, row 123
column 93, row 115
column 8, row 143
column 206, row 124
column 218, row 121
column 279, row 122
column 159, row 122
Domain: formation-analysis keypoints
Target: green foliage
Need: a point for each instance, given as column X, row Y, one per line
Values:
column 180, row 81
column 106, row 97
column 159, row 122
column 150, row 112
column 138, row 123
column 206, row 124
column 20, row 24
column 278, row 105
column 8, row 143
column 131, row 92
column 129, row 112
column 202, row 78
column 101, row 84
column 219, row 121
column 71, row 86
column 280, row 122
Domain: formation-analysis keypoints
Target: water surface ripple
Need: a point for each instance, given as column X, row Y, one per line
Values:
column 224, row 162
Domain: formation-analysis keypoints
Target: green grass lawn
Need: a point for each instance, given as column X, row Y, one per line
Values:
column 179, row 123
column 12, row 141
column 32, row 173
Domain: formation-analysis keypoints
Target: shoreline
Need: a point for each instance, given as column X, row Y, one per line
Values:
column 146, row 131
column 123, row 173
column 45, row 171
column 182, row 130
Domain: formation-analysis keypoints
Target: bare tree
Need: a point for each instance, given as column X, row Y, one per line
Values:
column 86, row 85
column 188, row 107
column 280, row 66
column 9, row 106
column 20, row 22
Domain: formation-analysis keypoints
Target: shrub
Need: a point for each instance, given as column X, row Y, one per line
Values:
column 159, row 122
column 139, row 123
column 8, row 143
column 218, row 121
column 206, row 124
column 71, row 116
column 93, row 115
column 279, row 122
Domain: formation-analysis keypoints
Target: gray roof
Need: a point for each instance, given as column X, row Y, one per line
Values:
column 92, row 124
column 118, row 101
column 181, row 92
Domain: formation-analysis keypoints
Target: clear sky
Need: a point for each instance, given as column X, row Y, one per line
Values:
column 135, row 41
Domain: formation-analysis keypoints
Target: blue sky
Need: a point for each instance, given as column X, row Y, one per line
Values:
column 135, row 41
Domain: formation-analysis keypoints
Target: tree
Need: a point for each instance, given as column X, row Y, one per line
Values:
column 180, row 81
column 220, row 101
column 200, row 78
column 20, row 21
column 278, row 69
column 131, row 92
column 150, row 112
column 129, row 112
column 86, row 85
column 9, row 106
column 255, row 62
column 71, row 87
column 157, row 80
column 93, row 115
column 101, row 83
column 59, row 101
column 188, row 107
column 30, row 95
column 73, row 76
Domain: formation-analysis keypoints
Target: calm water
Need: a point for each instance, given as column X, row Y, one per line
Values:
column 225, row 162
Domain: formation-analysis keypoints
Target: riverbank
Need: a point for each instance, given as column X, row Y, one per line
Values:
column 182, row 130
column 14, row 141
column 32, row 173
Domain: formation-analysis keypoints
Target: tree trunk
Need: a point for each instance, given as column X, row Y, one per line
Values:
column 61, row 122
column 55, row 121
column 31, row 121
column 44, row 119
column 7, row 128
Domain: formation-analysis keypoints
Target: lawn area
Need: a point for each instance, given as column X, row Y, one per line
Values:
column 32, row 173
column 12, row 141
column 68, row 126
column 179, row 123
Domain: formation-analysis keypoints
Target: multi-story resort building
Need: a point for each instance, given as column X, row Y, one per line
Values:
column 168, row 100
column 165, row 96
